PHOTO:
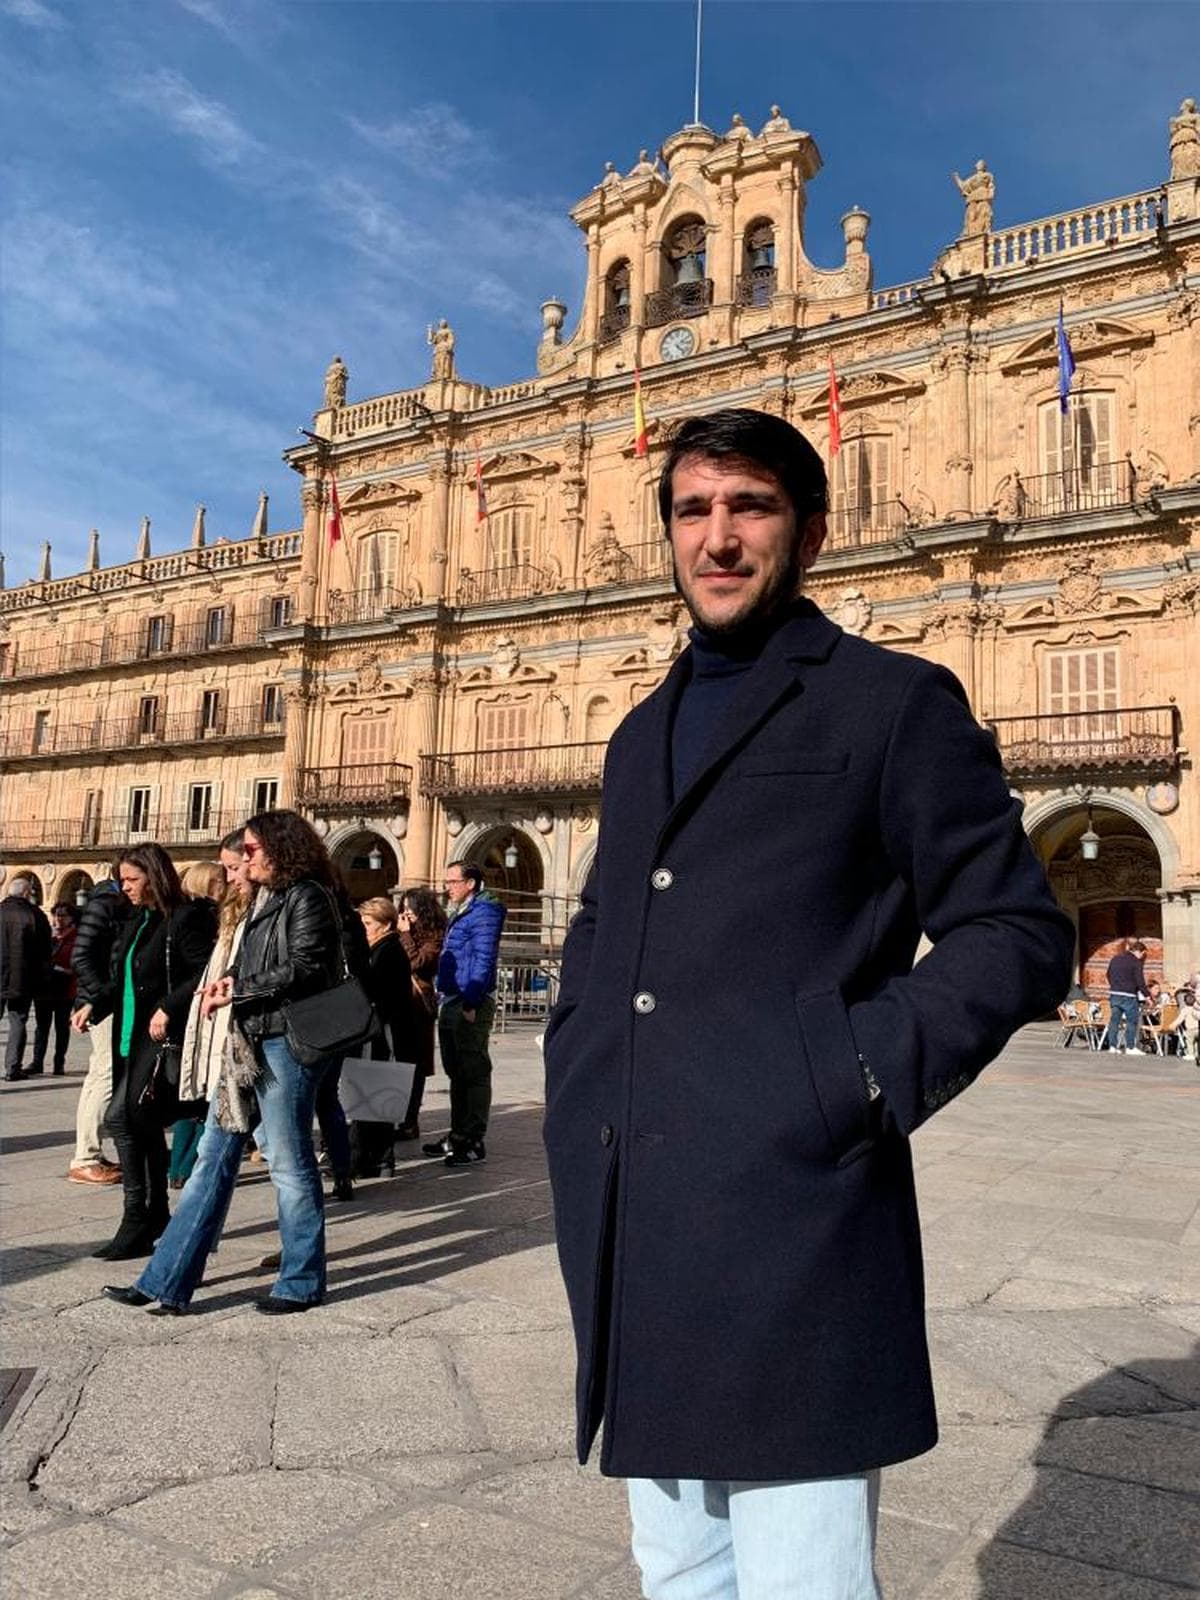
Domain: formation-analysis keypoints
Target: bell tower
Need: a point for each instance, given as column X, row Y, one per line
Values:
column 701, row 245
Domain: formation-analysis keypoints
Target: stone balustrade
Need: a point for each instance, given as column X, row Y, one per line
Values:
column 1071, row 233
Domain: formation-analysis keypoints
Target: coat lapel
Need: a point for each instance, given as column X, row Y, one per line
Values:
column 778, row 674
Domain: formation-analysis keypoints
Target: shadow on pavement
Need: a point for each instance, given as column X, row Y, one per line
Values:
column 1115, row 1508
column 16, row 1142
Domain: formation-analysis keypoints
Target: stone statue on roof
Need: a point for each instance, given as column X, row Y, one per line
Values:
column 336, row 378
column 776, row 122
column 644, row 168
column 738, row 129
column 612, row 177
column 1185, row 142
column 979, row 191
column 442, row 340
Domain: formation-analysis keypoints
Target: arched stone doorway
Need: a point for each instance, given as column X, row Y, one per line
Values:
column 1112, row 898
column 368, row 865
column 75, row 885
column 513, row 871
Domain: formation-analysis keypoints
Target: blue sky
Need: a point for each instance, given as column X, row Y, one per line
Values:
column 205, row 199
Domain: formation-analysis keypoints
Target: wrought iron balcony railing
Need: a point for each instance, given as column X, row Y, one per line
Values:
column 756, row 287
column 503, row 583
column 1130, row 739
column 680, row 300
column 613, row 324
column 136, row 732
column 876, row 523
column 365, row 605
column 531, row 769
column 202, row 637
column 1099, row 487
column 202, row 826
column 354, row 788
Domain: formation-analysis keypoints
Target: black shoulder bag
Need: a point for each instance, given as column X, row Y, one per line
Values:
column 336, row 1021
column 168, row 1062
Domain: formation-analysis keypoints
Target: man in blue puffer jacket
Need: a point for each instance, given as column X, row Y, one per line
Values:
column 466, row 984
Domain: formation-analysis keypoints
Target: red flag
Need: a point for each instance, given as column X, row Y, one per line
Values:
column 641, row 445
column 481, row 509
column 835, row 413
column 335, row 514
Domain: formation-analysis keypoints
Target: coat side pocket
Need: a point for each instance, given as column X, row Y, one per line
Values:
column 836, row 1073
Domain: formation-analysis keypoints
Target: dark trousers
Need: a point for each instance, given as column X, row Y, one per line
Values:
column 185, row 1143
column 331, row 1119
column 18, row 1023
column 142, row 1149
column 468, row 1065
column 58, row 1012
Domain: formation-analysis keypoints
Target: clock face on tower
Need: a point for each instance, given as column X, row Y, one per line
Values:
column 677, row 343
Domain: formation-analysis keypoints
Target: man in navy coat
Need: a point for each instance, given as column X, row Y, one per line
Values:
column 742, row 1044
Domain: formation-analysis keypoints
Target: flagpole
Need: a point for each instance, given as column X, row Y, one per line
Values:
column 696, row 96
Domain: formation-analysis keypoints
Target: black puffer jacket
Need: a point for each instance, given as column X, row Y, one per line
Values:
column 104, row 915
column 293, row 947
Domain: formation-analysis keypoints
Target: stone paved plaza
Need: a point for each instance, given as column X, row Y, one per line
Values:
column 412, row 1438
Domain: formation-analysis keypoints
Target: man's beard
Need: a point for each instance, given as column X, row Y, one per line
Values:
column 775, row 599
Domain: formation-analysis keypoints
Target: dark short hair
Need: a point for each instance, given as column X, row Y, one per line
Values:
column 166, row 891
column 65, row 905
column 757, row 439
column 469, row 870
column 295, row 848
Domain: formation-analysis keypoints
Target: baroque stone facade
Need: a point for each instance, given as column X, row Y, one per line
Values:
column 451, row 678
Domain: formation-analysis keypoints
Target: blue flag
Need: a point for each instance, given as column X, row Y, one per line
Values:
column 1066, row 363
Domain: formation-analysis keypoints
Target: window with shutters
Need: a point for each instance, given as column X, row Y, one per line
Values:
column 366, row 741
column 158, row 635
column 89, row 831
column 272, row 704
column 264, row 795
column 41, row 730
column 279, row 611
column 502, row 728
column 379, row 562
column 863, row 499
column 1082, row 694
column 211, row 720
column 200, row 807
column 139, row 811
column 216, row 626
column 148, row 716
column 1077, row 457
column 510, row 531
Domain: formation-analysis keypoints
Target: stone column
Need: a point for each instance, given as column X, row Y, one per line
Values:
column 593, row 304
column 1184, row 320
column 418, row 843
column 312, row 498
column 298, row 700
column 955, row 364
column 637, row 270
column 785, row 252
column 440, row 468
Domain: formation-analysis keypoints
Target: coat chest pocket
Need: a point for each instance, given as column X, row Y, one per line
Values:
column 795, row 764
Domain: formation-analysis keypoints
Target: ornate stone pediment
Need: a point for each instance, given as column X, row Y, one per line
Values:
column 512, row 464
column 381, row 491
column 1098, row 336
column 521, row 677
column 865, row 388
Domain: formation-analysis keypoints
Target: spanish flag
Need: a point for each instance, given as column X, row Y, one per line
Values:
column 835, row 413
column 641, row 446
column 481, row 509
column 335, row 514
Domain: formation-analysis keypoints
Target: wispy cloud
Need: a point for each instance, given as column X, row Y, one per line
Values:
column 209, row 11
column 77, row 277
column 169, row 96
column 34, row 14
column 428, row 137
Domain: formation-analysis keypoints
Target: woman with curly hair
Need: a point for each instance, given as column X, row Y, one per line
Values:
column 422, row 928
column 156, row 964
column 292, row 945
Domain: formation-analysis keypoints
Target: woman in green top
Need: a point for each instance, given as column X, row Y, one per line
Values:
column 156, row 964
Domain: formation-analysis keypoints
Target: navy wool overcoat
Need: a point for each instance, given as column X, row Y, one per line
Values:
column 736, row 1217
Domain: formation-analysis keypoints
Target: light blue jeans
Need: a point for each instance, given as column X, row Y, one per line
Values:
column 697, row 1539
column 286, row 1095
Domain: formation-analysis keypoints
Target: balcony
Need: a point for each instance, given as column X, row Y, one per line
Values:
column 515, row 582
column 756, row 287
column 1140, row 739
column 372, row 787
column 852, row 527
column 613, row 324
column 203, row 637
column 680, row 300
column 533, row 769
column 365, row 605
column 130, row 734
column 202, row 828
column 1102, row 486
column 610, row 562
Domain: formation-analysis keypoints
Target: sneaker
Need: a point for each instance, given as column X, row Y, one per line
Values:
column 467, row 1155
column 1133, row 1050
column 93, row 1173
column 439, row 1147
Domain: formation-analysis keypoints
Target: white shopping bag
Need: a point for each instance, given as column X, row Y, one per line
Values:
column 375, row 1091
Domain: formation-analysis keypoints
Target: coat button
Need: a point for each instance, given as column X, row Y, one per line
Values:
column 644, row 1003
column 662, row 877
column 606, row 1133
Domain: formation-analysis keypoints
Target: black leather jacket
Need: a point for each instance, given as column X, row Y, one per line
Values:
column 292, row 947
column 104, row 915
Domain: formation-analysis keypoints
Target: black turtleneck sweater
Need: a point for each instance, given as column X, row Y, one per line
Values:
column 719, row 665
